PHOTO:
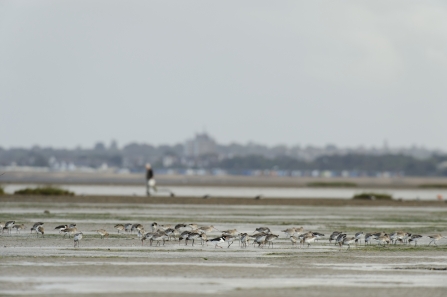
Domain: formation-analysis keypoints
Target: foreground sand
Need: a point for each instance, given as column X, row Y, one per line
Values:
column 119, row 265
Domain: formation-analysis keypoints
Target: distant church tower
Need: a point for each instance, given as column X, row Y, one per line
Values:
column 201, row 144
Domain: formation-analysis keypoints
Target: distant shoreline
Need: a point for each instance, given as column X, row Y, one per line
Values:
column 80, row 178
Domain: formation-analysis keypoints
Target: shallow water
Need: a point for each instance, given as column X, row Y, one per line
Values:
column 382, row 266
column 273, row 192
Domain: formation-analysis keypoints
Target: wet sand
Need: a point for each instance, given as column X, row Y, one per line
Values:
column 120, row 265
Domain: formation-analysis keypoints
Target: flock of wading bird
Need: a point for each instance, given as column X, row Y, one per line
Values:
column 262, row 236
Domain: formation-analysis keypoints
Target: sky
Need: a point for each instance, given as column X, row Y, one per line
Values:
column 347, row 73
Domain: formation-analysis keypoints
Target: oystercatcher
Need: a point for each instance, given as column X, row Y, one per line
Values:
column 216, row 241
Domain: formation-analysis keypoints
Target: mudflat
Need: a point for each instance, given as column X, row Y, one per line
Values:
column 119, row 264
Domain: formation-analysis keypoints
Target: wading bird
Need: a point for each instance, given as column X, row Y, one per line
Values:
column 77, row 238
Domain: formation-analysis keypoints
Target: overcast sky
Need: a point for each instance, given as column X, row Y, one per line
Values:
column 292, row 72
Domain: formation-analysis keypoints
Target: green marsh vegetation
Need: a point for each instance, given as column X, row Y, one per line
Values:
column 44, row 191
column 331, row 185
column 373, row 196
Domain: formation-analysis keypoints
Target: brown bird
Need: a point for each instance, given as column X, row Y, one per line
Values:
column 269, row 239
column 40, row 230
column 103, row 233
column 69, row 231
column 119, row 227
column 19, row 227
column 435, row 238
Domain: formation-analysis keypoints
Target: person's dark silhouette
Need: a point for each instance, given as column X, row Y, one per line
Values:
column 150, row 181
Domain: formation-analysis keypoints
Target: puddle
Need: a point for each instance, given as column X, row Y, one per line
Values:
column 401, row 257
column 386, row 267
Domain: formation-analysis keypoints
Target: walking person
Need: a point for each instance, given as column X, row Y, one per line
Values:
column 150, row 181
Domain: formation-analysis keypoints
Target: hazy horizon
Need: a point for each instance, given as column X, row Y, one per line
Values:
column 107, row 144
column 291, row 72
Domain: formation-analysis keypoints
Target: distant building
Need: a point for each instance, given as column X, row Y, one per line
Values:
column 169, row 160
column 200, row 145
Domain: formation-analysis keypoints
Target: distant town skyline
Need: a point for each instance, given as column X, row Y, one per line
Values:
column 201, row 154
column 203, row 142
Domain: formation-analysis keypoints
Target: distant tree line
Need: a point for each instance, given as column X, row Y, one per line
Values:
column 134, row 156
column 351, row 162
